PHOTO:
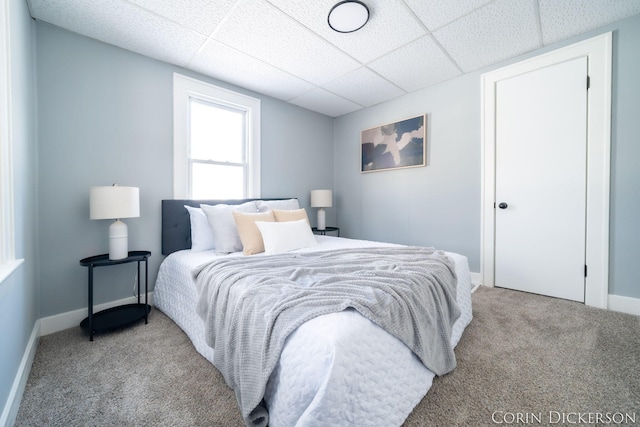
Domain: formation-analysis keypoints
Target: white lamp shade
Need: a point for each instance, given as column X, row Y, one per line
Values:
column 114, row 202
column 321, row 198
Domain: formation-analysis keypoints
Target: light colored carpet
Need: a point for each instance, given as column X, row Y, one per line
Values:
column 522, row 354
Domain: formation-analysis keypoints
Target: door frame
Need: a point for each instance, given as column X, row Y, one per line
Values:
column 598, row 51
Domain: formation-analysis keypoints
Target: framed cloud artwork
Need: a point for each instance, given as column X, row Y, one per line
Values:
column 395, row 145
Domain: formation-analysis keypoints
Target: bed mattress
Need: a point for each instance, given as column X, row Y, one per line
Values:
column 336, row 369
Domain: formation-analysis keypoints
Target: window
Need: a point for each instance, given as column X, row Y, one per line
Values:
column 6, row 186
column 216, row 142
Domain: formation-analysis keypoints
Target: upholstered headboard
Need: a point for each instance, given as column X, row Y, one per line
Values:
column 176, row 224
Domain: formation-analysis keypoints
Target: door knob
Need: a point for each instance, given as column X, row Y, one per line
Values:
column 503, row 205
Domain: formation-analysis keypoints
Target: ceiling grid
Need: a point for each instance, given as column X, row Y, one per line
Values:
column 286, row 49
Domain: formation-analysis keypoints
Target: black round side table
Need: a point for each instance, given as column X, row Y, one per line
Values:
column 116, row 317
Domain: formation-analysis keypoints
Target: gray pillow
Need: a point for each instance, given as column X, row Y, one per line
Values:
column 287, row 205
column 225, row 233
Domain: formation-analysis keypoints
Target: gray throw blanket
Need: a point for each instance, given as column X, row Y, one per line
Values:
column 251, row 304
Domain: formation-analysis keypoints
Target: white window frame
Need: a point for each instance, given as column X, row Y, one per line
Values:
column 185, row 88
column 8, row 262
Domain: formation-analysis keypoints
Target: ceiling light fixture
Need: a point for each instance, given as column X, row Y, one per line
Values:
column 348, row 16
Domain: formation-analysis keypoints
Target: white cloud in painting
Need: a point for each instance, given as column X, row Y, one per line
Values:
column 389, row 136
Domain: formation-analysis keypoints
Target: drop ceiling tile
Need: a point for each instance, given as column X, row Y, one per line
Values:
column 261, row 30
column 391, row 25
column 199, row 15
column 436, row 13
column 284, row 48
column 124, row 25
column 498, row 31
column 227, row 64
column 325, row 103
column 561, row 19
column 364, row 87
column 416, row 66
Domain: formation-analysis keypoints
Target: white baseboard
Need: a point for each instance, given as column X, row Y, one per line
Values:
column 71, row 319
column 11, row 407
column 476, row 279
column 624, row 304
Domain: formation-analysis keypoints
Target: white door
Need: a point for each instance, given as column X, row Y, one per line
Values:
column 540, row 187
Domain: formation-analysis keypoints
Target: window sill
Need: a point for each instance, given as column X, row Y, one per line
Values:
column 7, row 269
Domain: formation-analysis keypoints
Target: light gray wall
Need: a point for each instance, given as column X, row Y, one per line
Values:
column 625, row 160
column 18, row 293
column 434, row 205
column 439, row 205
column 105, row 116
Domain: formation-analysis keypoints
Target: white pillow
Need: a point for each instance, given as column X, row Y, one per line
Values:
column 281, row 237
column 201, row 234
column 225, row 234
column 267, row 205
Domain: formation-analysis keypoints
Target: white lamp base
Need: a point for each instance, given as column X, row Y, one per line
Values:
column 322, row 221
column 118, row 240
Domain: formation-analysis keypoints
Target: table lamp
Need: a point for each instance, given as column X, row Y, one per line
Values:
column 321, row 199
column 115, row 202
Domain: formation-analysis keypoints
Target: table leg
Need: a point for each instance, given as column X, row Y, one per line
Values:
column 90, row 305
column 138, row 282
column 146, row 290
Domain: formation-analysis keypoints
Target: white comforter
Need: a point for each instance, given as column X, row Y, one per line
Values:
column 338, row 369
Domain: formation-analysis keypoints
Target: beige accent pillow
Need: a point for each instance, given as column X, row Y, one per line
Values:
column 290, row 215
column 248, row 230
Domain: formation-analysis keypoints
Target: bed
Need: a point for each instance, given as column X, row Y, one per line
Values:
column 335, row 369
